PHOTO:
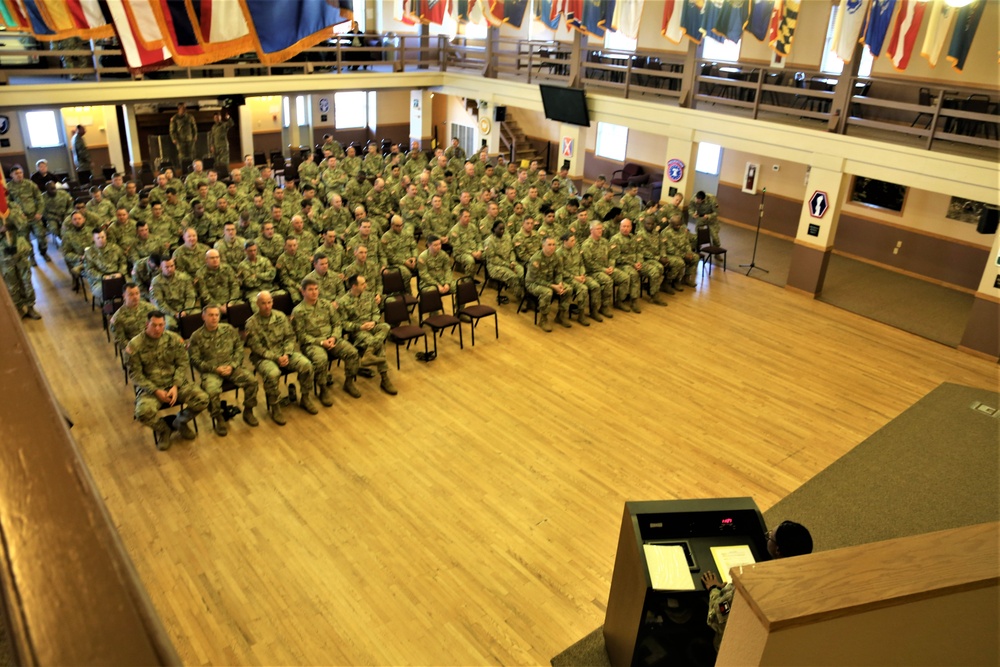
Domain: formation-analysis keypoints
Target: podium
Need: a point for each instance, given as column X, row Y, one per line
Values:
column 645, row 626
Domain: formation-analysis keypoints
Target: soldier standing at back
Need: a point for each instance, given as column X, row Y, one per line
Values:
column 158, row 366
column 184, row 134
column 217, row 352
column 218, row 139
column 23, row 191
column 15, row 265
column 81, row 155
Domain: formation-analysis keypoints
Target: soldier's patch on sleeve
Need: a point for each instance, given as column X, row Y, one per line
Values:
column 724, row 607
column 535, row 264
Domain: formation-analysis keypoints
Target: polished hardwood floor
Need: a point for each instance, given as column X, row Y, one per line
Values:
column 473, row 518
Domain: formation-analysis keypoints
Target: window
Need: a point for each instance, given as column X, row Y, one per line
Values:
column 372, row 116
column 300, row 111
column 725, row 51
column 350, row 110
column 618, row 42
column 43, row 131
column 611, row 141
column 709, row 156
column 831, row 63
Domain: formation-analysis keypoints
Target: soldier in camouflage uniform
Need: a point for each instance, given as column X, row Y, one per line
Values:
column 218, row 139
column 373, row 163
column 15, row 265
column 400, row 250
column 216, row 282
column 434, row 268
column 366, row 266
column 158, row 366
column 145, row 244
column 130, row 198
column 320, row 334
column 190, row 256
column 359, row 313
column 143, row 273
column 627, row 255
column 351, row 164
column 270, row 243
column 526, row 241
column 122, row 232
column 651, row 243
column 76, row 238
column 596, row 253
column 501, row 262
column 115, row 190
column 545, row 281
column 411, row 207
column 331, row 286
column 81, row 154
column 231, row 246
column 586, row 291
column 129, row 320
column 704, row 210
column 379, row 200
column 681, row 260
column 436, row 220
column 100, row 260
column 27, row 195
column 292, row 267
column 184, row 134
column 272, row 351
column 173, row 293
column 216, row 351
column 58, row 204
column 630, row 203
column 467, row 247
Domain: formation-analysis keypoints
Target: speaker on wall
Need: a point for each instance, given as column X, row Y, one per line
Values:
column 988, row 220
column 499, row 114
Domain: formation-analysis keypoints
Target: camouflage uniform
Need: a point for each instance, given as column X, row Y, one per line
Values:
column 291, row 270
column 184, row 134
column 437, row 223
column 706, row 214
column 336, row 218
column 625, row 254
column 314, row 324
column 543, row 272
column 355, row 311
column 15, row 265
column 271, row 248
column 81, row 154
column 223, row 347
column 162, row 363
column 435, row 270
column 218, row 141
column 113, row 193
column 412, row 211
column 127, row 323
column 371, row 270
column 330, row 284
column 142, row 275
column 173, row 296
column 270, row 339
column 397, row 247
column 57, row 207
column 75, row 240
column 631, row 206
column 123, row 236
column 588, row 291
column 465, row 241
column 255, row 278
column 502, row 264
column 231, row 253
column 597, row 259
column 526, row 245
column 100, row 262
column 190, row 260
column 681, row 260
column 650, row 247
column 218, row 287
column 29, row 197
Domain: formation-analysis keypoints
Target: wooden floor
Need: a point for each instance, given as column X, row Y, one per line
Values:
column 473, row 518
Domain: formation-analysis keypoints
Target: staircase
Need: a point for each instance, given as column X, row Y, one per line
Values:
column 511, row 135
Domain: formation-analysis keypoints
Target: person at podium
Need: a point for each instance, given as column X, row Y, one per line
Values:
column 787, row 540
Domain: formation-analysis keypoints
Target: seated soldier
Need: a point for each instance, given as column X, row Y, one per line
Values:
column 545, row 281
column 129, row 320
column 501, row 262
column 467, row 247
column 704, row 210
column 76, row 238
column 216, row 351
column 172, row 292
column 586, row 291
column 255, row 274
column 359, row 313
column 143, row 273
column 216, row 283
column 231, row 246
column 681, row 260
column 365, row 266
column 596, row 253
column 158, row 367
column 320, row 334
column 400, row 250
column 102, row 260
column 272, row 351
column 190, row 256
column 292, row 267
column 330, row 284
column 435, row 268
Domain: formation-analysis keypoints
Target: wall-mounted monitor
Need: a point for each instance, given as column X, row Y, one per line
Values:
column 566, row 105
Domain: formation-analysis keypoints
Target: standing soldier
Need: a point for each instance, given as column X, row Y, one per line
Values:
column 81, row 155
column 158, row 366
column 24, row 192
column 218, row 139
column 217, row 352
column 15, row 265
column 184, row 134
column 545, row 281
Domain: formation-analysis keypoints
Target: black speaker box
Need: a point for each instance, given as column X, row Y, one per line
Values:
column 500, row 114
column 988, row 221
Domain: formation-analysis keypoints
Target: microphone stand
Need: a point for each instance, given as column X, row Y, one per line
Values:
column 760, row 216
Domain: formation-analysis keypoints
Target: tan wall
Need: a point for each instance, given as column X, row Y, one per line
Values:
column 393, row 107
column 789, row 181
column 645, row 147
column 810, row 35
column 266, row 113
column 90, row 117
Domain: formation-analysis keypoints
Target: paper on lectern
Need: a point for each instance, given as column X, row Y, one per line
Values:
column 729, row 557
column 668, row 568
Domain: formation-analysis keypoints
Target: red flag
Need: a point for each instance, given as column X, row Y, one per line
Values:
column 904, row 35
column 138, row 57
column 4, row 207
column 432, row 11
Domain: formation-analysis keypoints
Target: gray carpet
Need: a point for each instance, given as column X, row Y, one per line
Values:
column 935, row 466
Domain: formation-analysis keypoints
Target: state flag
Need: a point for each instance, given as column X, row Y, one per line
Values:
column 732, row 19
column 965, row 29
column 402, row 11
column 627, row 17
column 12, row 15
column 672, row 21
column 597, row 15
column 138, row 56
column 37, row 20
column 549, row 12
column 785, row 31
column 939, row 23
column 851, row 17
column 432, row 11
column 710, row 19
column 760, row 18
column 904, row 35
column 879, row 20
column 691, row 19
column 281, row 30
column 514, row 11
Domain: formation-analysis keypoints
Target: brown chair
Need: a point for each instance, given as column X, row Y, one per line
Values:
column 624, row 177
column 237, row 315
column 397, row 316
column 467, row 305
column 432, row 315
column 393, row 285
column 111, row 289
column 283, row 302
column 707, row 250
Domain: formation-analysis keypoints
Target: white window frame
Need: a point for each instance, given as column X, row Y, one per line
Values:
column 716, row 51
column 709, row 158
column 611, row 141
column 372, row 110
column 42, row 129
column 616, row 41
column 300, row 110
column 831, row 63
column 350, row 110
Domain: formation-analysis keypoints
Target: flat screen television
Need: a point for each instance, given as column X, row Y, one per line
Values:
column 566, row 105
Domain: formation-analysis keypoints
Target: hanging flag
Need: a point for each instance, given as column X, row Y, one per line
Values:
column 4, row 206
column 597, row 14
column 573, row 10
column 785, row 31
column 61, row 19
column 91, row 18
column 941, row 18
column 493, row 12
column 138, row 57
column 879, row 20
column 710, row 19
column 775, row 21
column 283, row 29
column 732, row 19
column 672, row 21
column 433, row 11
column 40, row 28
column 514, row 11
column 760, row 18
column 179, row 32
column 460, row 10
column 904, row 36
column 12, row 16
column 691, row 19
column 626, row 18
column 402, row 11
column 549, row 12
column 965, row 29
column 851, row 17
column 220, row 28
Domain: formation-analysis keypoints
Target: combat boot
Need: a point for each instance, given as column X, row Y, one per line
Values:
column 308, row 404
column 563, row 320
column 369, row 358
column 350, row 387
column 249, row 418
column 220, row 425
column 543, row 323
column 582, row 318
column 655, row 299
column 606, row 312
column 635, row 305
column 677, row 285
column 276, row 416
column 690, row 282
column 182, row 426
column 596, row 316
column 387, row 385
column 31, row 313
column 161, row 434
column 666, row 288
column 326, row 395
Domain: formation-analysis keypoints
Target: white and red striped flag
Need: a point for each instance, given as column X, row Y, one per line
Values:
column 904, row 34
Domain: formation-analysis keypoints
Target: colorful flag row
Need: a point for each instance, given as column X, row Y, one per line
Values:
column 154, row 33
